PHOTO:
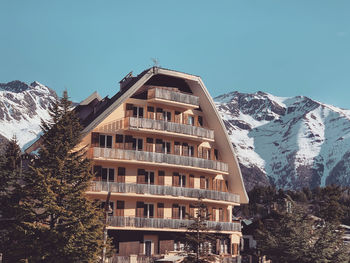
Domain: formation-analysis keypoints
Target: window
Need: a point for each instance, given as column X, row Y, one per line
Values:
column 137, row 144
column 137, row 112
column 200, row 120
column 190, row 120
column 182, row 212
column 120, row 208
column 149, row 177
column 190, row 150
column 182, row 180
column 216, row 154
column 119, row 138
column 121, row 175
column 108, row 174
column 105, row 141
column 166, row 147
column 148, row 210
column 167, row 115
column 150, row 112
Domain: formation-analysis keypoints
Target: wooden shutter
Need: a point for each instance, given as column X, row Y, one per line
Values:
column 98, row 172
column 211, row 215
column 159, row 114
column 177, row 117
column 160, row 210
column 121, row 175
column 161, row 175
column 185, row 118
column 141, row 176
column 192, row 211
column 129, row 110
column 185, row 149
column 205, row 153
column 128, row 142
column 202, row 182
column 176, row 179
column 200, row 152
column 95, row 136
column 119, row 140
column 149, row 144
column 150, row 112
column 235, row 249
column 221, row 215
column 139, row 209
column 175, row 211
column 120, row 208
column 191, row 184
column 177, row 148
column 159, row 145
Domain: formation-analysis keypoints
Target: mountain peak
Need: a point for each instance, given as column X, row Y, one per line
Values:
column 14, row 86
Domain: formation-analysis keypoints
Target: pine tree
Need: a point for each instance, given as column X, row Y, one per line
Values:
column 199, row 237
column 62, row 223
column 12, row 240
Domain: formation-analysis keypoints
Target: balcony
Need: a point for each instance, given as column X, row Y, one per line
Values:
column 159, row 125
column 172, row 97
column 115, row 187
column 139, row 222
column 160, row 158
column 133, row 123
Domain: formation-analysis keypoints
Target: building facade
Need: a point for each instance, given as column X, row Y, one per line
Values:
column 157, row 146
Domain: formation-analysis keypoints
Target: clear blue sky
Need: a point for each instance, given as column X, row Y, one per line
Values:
column 286, row 48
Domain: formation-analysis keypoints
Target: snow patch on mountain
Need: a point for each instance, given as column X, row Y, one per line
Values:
column 290, row 142
column 22, row 107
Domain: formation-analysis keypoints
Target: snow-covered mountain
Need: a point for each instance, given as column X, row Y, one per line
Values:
column 290, row 142
column 22, row 107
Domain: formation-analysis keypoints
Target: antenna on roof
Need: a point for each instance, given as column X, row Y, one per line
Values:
column 155, row 62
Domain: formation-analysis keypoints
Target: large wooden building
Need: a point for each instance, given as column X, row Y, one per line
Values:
column 157, row 146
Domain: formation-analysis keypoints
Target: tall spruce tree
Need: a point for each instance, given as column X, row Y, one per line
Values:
column 12, row 239
column 62, row 223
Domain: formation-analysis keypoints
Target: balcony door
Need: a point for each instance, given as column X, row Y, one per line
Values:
column 105, row 141
column 137, row 144
column 166, row 115
column 107, row 174
column 137, row 112
column 148, row 248
column 148, row 210
column 149, row 177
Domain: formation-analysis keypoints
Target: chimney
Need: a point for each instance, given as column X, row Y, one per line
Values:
column 126, row 80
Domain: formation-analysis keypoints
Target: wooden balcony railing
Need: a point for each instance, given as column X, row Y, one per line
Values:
column 165, row 94
column 139, row 222
column 143, row 123
column 153, row 157
column 159, row 125
column 115, row 187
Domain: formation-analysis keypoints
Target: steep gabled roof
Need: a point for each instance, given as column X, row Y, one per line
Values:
column 198, row 88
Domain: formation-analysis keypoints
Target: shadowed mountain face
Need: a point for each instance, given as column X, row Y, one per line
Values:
column 289, row 142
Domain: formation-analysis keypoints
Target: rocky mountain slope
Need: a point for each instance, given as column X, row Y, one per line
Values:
column 290, row 142
column 22, row 107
